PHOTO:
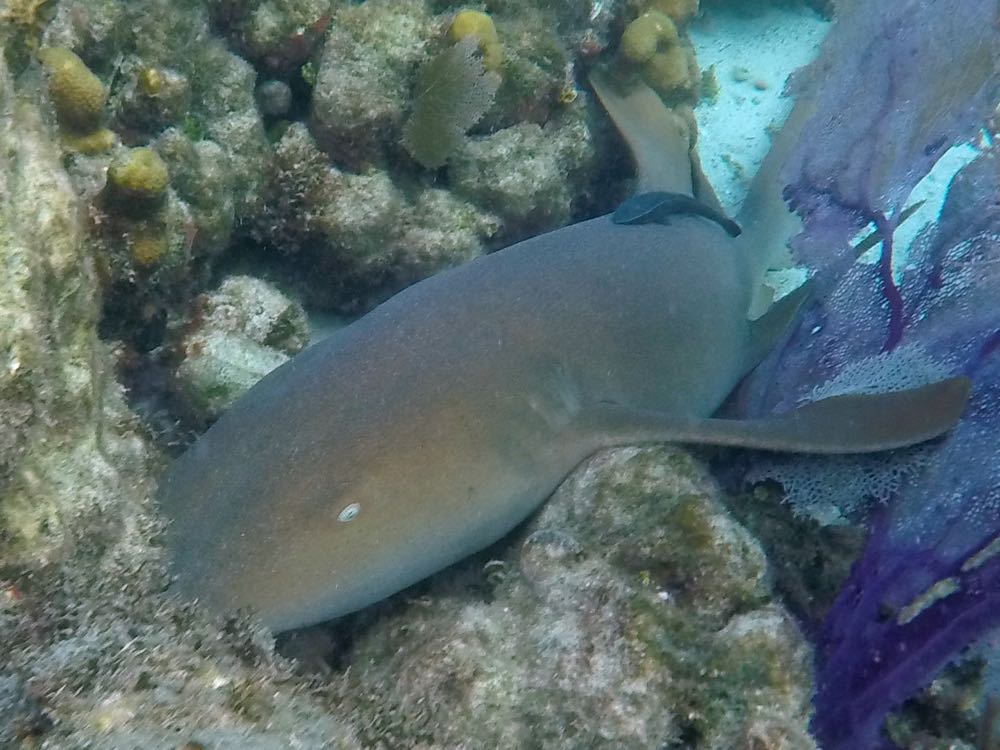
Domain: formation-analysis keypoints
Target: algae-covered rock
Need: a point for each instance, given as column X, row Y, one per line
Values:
column 363, row 82
column 66, row 447
column 276, row 35
column 631, row 612
column 527, row 173
column 361, row 228
column 243, row 330
column 153, row 97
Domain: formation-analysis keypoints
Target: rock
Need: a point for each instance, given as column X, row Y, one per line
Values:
column 527, row 173
column 244, row 330
column 361, row 229
column 363, row 82
column 631, row 612
column 274, row 98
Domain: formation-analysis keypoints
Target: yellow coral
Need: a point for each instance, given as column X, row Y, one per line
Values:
column 667, row 71
column 137, row 181
column 78, row 95
column 652, row 45
column 151, row 81
column 646, row 35
column 477, row 24
column 148, row 245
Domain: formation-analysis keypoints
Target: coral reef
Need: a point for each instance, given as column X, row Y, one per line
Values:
column 91, row 653
column 161, row 209
column 631, row 612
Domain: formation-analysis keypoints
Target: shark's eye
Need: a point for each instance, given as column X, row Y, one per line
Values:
column 349, row 513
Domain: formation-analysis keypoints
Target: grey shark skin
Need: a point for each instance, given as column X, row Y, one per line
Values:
column 433, row 425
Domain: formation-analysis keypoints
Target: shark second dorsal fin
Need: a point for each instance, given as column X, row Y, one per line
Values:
column 838, row 424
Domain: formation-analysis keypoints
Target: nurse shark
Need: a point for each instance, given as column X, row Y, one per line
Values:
column 436, row 423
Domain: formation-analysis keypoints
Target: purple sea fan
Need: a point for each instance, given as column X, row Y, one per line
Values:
column 928, row 582
column 896, row 85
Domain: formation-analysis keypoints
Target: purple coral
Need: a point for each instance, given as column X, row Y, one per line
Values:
column 888, row 634
column 899, row 84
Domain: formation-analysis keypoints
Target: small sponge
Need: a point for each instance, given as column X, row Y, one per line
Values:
column 477, row 24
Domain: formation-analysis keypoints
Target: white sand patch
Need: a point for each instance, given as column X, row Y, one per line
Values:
column 753, row 49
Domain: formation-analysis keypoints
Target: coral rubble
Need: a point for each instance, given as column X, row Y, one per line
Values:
column 244, row 330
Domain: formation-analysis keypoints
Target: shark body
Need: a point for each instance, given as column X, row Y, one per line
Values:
column 436, row 423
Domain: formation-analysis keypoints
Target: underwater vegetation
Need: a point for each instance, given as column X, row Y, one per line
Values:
column 454, row 90
column 928, row 582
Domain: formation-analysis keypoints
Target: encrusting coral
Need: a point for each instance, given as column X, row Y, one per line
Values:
column 79, row 96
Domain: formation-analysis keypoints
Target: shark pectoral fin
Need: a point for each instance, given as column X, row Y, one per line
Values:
column 767, row 330
column 838, row 424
